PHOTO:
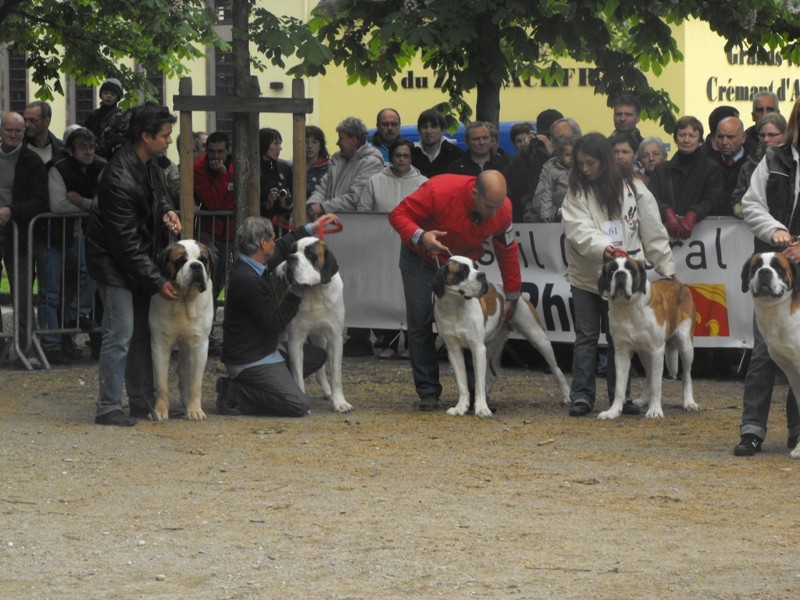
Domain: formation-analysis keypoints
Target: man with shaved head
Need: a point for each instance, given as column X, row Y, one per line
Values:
column 449, row 215
column 733, row 153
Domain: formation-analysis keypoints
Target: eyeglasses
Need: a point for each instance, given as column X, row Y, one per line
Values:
column 400, row 155
column 768, row 134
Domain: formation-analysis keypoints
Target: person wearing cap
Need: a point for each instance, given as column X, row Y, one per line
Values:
column 522, row 174
column 107, row 122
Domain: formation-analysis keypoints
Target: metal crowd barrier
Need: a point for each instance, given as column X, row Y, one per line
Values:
column 38, row 253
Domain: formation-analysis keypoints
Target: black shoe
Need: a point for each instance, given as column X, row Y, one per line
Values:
column 791, row 442
column 579, row 409
column 115, row 417
column 629, row 408
column 57, row 357
column 357, row 346
column 227, row 397
column 748, row 445
column 429, row 403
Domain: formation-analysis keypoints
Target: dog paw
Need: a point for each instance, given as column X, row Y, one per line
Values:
column 457, row 411
column 342, row 406
column 483, row 412
column 609, row 414
column 196, row 415
column 691, row 406
column 654, row 413
column 795, row 454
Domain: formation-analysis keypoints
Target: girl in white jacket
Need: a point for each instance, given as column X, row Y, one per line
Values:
column 606, row 211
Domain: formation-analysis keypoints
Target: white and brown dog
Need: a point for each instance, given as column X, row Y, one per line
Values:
column 652, row 319
column 321, row 314
column 774, row 282
column 186, row 322
column 469, row 314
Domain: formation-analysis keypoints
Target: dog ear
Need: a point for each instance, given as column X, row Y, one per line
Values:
column 746, row 274
column 638, row 268
column 329, row 267
column 162, row 261
column 795, row 277
column 603, row 282
column 437, row 282
column 211, row 255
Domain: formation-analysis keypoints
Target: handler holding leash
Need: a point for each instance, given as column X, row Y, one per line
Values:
column 451, row 214
column 260, row 382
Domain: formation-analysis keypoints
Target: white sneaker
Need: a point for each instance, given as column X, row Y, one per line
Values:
column 386, row 353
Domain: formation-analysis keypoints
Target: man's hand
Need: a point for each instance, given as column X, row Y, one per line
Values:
column 509, row 308
column 5, row 215
column 314, row 211
column 75, row 198
column 218, row 166
column 172, row 221
column 324, row 221
column 431, row 243
column 168, row 291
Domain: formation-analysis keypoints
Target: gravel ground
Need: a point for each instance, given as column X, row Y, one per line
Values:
column 387, row 502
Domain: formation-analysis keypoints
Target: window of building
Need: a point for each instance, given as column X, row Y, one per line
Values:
column 84, row 102
column 17, row 81
column 224, row 12
column 223, row 86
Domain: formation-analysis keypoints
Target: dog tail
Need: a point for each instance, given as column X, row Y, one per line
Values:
column 671, row 358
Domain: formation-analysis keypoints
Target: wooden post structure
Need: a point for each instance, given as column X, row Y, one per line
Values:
column 299, row 152
column 185, row 103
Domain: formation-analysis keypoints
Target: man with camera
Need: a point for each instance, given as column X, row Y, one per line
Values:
column 213, row 191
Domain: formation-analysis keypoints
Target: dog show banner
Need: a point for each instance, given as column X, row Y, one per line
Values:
column 710, row 263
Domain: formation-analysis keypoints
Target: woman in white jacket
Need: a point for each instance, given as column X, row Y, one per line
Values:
column 384, row 191
column 606, row 211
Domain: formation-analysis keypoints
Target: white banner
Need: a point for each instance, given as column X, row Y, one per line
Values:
column 711, row 262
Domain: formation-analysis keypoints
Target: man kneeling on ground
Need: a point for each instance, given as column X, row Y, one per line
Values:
column 259, row 379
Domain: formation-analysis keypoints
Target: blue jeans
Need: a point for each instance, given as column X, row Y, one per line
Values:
column 53, row 262
column 125, row 351
column 417, row 276
column 591, row 313
column 758, row 384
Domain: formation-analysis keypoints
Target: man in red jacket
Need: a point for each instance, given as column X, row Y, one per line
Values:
column 449, row 215
column 213, row 190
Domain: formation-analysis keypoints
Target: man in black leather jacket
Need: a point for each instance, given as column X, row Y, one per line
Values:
column 126, row 225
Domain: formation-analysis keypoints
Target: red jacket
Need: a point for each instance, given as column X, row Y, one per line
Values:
column 445, row 203
column 214, row 191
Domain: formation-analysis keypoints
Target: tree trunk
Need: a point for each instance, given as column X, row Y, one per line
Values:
column 243, row 201
column 487, row 105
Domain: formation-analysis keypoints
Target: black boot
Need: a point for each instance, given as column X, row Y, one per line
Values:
column 227, row 397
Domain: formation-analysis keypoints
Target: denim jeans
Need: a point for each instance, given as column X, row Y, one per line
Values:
column 417, row 276
column 125, row 351
column 78, row 288
column 758, row 384
column 591, row 312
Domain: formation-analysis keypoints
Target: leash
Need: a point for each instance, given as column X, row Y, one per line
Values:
column 329, row 229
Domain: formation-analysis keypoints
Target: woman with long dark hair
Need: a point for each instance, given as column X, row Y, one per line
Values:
column 606, row 213
column 318, row 160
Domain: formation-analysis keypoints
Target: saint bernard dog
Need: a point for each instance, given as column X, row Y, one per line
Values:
column 321, row 314
column 652, row 319
column 774, row 282
column 469, row 314
column 186, row 322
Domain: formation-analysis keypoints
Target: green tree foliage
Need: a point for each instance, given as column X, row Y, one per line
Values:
column 90, row 40
column 483, row 45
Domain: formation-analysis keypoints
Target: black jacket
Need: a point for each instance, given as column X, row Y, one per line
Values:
column 688, row 183
column 448, row 154
column 522, row 176
column 780, row 192
column 253, row 317
column 29, row 196
column 126, row 226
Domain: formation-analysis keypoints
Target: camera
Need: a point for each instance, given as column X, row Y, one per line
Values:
column 285, row 199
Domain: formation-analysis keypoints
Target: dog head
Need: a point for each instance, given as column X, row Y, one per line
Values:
column 459, row 275
column 770, row 275
column 311, row 262
column 624, row 276
column 187, row 263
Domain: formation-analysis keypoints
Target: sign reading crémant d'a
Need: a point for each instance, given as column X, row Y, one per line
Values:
column 731, row 89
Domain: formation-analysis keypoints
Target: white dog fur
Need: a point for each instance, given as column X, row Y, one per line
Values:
column 469, row 314
column 652, row 319
column 186, row 322
column 321, row 314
